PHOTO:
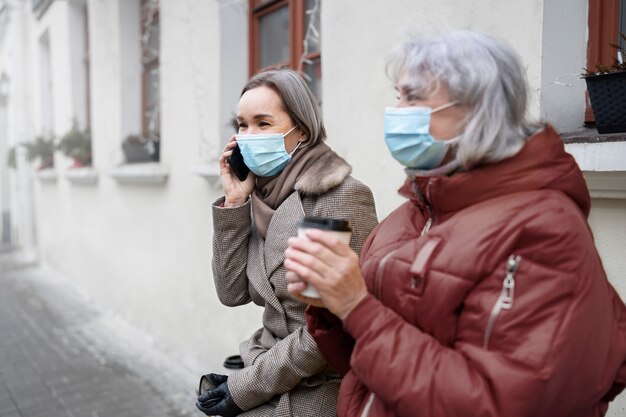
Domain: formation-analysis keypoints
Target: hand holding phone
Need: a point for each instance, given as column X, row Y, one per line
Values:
column 235, row 160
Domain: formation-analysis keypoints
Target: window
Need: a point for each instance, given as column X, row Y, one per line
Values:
column 150, row 75
column 86, row 68
column 45, row 86
column 606, row 19
column 287, row 32
column 622, row 24
column 40, row 7
column 79, row 63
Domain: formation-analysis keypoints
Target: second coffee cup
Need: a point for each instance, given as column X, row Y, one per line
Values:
column 339, row 228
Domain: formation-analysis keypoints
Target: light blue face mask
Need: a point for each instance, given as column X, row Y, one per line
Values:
column 265, row 153
column 407, row 134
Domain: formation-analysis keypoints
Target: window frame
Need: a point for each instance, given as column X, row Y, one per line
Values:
column 87, row 64
column 603, row 21
column 296, row 10
column 147, row 67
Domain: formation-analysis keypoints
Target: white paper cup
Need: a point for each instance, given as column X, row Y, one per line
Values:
column 338, row 228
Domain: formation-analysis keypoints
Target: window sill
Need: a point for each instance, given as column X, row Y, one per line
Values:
column 592, row 136
column 595, row 152
column 82, row 176
column 150, row 173
column 47, row 175
column 606, row 184
column 210, row 171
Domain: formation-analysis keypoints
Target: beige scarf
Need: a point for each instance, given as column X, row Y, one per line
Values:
column 270, row 192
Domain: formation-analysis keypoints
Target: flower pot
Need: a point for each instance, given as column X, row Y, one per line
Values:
column 45, row 162
column 607, row 93
column 81, row 162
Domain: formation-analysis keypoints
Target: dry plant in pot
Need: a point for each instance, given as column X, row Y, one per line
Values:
column 138, row 149
column 606, row 86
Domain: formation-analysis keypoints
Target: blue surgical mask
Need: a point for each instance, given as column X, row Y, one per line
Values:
column 407, row 134
column 265, row 153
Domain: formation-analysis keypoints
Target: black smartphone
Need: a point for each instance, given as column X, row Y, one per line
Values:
column 235, row 160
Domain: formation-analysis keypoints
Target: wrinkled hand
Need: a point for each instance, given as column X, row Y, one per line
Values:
column 218, row 401
column 296, row 285
column 330, row 266
column 236, row 191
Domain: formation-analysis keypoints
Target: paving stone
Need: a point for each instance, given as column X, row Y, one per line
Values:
column 50, row 367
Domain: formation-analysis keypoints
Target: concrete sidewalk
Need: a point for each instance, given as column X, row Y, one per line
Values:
column 61, row 357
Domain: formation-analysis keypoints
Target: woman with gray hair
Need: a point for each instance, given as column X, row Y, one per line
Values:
column 483, row 294
column 293, row 173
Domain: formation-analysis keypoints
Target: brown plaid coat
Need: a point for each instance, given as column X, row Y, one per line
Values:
column 285, row 374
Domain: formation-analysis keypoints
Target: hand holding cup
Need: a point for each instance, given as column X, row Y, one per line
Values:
column 325, row 261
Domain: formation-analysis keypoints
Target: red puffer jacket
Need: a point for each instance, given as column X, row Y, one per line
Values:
column 500, row 308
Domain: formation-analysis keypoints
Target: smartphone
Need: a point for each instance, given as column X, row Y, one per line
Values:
column 235, row 160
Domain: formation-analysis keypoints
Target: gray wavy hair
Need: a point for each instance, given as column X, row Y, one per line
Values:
column 296, row 97
column 485, row 77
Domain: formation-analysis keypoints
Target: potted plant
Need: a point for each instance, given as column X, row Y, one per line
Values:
column 76, row 144
column 42, row 149
column 606, row 86
column 11, row 162
column 140, row 149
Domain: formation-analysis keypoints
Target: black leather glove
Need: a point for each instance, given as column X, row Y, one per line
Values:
column 217, row 401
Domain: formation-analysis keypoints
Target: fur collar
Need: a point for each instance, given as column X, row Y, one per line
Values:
column 326, row 173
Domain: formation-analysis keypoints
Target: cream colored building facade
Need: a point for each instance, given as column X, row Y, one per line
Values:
column 137, row 237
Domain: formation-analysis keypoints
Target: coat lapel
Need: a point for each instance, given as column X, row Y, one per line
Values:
column 257, row 272
column 284, row 224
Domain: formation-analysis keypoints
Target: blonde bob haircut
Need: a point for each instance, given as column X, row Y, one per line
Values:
column 485, row 77
column 296, row 98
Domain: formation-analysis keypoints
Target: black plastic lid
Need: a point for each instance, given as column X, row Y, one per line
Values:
column 325, row 223
column 233, row 362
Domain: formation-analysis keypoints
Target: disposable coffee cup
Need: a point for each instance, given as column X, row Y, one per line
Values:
column 336, row 227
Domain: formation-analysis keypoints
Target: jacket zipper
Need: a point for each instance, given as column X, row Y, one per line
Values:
column 368, row 405
column 423, row 203
column 431, row 216
column 505, row 299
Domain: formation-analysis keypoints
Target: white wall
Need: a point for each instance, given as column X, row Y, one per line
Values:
column 608, row 222
column 17, row 124
column 604, row 168
column 145, row 251
column 56, row 22
column 107, row 106
column 6, row 230
column 563, row 54
column 233, row 59
column 129, row 67
column 46, row 86
column 77, row 49
column 355, row 42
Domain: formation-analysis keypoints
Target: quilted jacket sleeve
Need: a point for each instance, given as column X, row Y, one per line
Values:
column 555, row 352
column 335, row 343
column 231, row 230
column 277, row 371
